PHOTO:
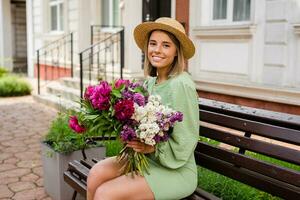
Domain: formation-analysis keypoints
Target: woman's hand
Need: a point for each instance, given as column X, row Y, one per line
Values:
column 140, row 147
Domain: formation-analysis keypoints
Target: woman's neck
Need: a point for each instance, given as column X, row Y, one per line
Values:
column 162, row 75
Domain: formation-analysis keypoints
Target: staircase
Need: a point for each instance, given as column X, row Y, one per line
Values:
column 103, row 60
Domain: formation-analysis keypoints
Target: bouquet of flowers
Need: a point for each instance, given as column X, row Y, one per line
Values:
column 125, row 109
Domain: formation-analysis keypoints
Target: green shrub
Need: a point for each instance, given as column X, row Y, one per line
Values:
column 113, row 147
column 13, row 86
column 3, row 71
column 62, row 139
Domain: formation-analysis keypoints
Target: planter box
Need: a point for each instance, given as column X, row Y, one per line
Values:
column 55, row 164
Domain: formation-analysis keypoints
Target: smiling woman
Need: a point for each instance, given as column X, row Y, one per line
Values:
column 172, row 168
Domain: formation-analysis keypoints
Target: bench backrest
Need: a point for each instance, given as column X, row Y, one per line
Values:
column 245, row 129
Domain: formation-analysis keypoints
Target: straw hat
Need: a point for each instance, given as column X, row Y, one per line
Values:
column 167, row 24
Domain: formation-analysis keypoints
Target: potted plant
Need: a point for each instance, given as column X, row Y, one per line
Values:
column 59, row 147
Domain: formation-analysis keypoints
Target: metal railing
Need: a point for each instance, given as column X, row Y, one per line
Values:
column 55, row 60
column 103, row 58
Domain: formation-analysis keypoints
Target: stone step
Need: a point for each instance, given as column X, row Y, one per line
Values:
column 56, row 102
column 58, row 89
column 75, row 82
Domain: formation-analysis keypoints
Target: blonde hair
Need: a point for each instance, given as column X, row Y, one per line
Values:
column 178, row 64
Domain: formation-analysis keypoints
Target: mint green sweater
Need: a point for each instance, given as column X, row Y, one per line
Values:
column 173, row 171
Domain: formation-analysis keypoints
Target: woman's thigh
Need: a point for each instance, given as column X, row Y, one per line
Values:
column 125, row 187
column 103, row 171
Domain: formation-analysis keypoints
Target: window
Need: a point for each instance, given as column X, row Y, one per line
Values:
column 231, row 10
column 56, row 15
column 110, row 12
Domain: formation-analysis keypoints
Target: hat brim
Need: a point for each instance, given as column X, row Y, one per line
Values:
column 141, row 35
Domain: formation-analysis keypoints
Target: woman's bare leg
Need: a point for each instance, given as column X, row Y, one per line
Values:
column 124, row 188
column 101, row 172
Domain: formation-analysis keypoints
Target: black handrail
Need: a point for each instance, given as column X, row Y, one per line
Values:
column 102, row 53
column 58, row 50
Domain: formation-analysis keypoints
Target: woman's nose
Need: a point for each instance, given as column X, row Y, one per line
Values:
column 157, row 48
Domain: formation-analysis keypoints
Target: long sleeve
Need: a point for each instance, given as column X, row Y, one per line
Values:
column 177, row 150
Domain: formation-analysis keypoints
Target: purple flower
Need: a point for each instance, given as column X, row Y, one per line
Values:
column 177, row 116
column 101, row 95
column 121, row 82
column 74, row 125
column 139, row 99
column 127, row 133
column 124, row 109
column 163, row 138
column 134, row 85
column 127, row 94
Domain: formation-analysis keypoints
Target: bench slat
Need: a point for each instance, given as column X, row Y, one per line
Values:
column 259, row 181
column 76, row 167
column 87, row 163
column 75, row 183
column 274, row 132
column 202, row 194
column 273, row 150
column 283, row 174
column 253, row 114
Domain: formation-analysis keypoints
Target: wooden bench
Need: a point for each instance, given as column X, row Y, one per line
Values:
column 243, row 129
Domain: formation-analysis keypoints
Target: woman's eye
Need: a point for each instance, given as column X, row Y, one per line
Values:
column 166, row 45
column 151, row 43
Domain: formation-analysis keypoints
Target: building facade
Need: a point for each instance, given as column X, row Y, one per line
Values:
column 247, row 51
column 13, row 43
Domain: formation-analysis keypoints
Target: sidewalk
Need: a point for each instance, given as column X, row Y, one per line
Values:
column 23, row 122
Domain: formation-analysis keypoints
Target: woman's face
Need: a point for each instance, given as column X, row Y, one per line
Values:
column 161, row 50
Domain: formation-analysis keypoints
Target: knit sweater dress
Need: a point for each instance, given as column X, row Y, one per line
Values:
column 173, row 172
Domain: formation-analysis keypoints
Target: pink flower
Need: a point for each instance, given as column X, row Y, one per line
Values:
column 101, row 95
column 121, row 82
column 89, row 92
column 73, row 124
column 124, row 109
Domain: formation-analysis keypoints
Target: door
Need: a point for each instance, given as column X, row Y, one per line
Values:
column 153, row 9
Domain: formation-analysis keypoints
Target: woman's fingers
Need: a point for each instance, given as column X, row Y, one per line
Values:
column 140, row 147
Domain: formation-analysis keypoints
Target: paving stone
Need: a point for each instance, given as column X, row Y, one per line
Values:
column 27, row 155
column 30, row 177
column 20, row 186
column 5, row 192
column 14, row 173
column 26, row 122
column 12, row 160
column 28, row 163
column 37, row 193
column 13, row 143
column 9, row 180
column 38, row 171
column 4, row 137
column 5, row 167
column 15, row 149
column 40, row 182
column 4, row 156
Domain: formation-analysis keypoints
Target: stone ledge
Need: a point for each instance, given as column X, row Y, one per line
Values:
column 235, row 31
column 278, row 95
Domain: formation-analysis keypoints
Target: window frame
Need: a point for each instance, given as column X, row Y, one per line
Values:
column 229, row 15
column 113, row 16
column 60, row 26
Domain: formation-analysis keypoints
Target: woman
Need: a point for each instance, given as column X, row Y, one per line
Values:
column 173, row 172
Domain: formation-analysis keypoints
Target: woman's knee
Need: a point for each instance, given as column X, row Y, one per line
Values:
column 104, row 193
column 95, row 173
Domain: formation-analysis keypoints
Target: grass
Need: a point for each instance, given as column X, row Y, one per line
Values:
column 13, row 86
column 227, row 188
